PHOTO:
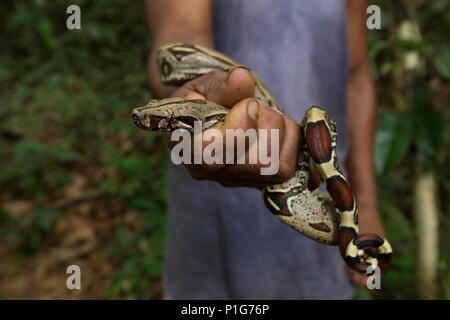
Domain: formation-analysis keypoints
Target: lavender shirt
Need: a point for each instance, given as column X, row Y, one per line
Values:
column 223, row 243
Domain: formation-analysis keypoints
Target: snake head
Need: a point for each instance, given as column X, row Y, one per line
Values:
column 176, row 63
column 152, row 118
column 144, row 121
column 175, row 113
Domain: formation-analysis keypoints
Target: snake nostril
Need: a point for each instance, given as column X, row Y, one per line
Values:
column 166, row 68
column 135, row 118
column 138, row 121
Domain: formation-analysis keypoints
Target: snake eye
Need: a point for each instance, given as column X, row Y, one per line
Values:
column 166, row 68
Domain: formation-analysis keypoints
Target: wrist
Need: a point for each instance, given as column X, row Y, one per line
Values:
column 369, row 221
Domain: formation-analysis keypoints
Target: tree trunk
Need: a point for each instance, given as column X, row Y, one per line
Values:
column 426, row 229
column 404, row 26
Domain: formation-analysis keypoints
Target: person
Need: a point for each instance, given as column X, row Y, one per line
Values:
column 223, row 243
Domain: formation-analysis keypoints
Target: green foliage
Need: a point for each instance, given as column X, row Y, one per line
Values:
column 442, row 63
column 133, row 178
column 398, row 283
column 27, row 169
column 142, row 256
column 428, row 131
column 65, row 103
column 393, row 138
column 411, row 140
column 29, row 230
column 142, row 182
column 398, row 131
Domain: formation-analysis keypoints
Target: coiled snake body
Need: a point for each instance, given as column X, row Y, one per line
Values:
column 310, row 213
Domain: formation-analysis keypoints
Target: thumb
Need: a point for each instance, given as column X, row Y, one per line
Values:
column 236, row 86
column 251, row 114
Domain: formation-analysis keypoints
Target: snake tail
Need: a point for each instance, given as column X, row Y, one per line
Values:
column 361, row 252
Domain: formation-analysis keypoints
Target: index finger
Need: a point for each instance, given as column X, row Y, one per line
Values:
column 221, row 87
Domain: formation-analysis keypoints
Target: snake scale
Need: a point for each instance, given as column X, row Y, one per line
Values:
column 311, row 213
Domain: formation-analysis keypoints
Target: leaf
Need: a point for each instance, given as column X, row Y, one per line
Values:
column 44, row 218
column 428, row 134
column 377, row 47
column 45, row 29
column 398, row 227
column 408, row 45
column 392, row 139
column 442, row 64
column 387, row 68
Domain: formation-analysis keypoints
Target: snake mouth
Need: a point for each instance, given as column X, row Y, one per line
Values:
column 152, row 123
column 137, row 121
column 144, row 122
column 177, row 81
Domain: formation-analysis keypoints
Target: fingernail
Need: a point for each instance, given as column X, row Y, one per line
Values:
column 234, row 68
column 252, row 109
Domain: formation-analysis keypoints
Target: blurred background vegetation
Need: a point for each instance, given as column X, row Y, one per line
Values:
column 79, row 184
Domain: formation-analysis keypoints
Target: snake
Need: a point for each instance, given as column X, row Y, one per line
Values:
column 328, row 219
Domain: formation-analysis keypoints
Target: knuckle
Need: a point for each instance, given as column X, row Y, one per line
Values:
column 285, row 171
column 199, row 87
column 269, row 118
column 277, row 118
column 216, row 73
column 290, row 123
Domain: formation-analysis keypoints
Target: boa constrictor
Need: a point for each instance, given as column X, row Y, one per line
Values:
column 310, row 213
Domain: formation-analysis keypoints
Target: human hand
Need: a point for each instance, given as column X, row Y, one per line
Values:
column 369, row 222
column 235, row 90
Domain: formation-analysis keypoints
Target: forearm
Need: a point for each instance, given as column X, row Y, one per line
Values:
column 158, row 89
column 176, row 21
column 360, row 163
